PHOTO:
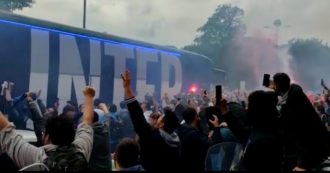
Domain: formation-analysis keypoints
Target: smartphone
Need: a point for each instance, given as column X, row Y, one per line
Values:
column 218, row 94
column 266, row 80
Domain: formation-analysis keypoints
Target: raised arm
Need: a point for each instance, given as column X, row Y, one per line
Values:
column 20, row 151
column 141, row 126
column 84, row 135
column 37, row 118
column 106, row 111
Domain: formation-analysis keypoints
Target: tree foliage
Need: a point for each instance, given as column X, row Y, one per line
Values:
column 11, row 5
column 311, row 59
column 217, row 33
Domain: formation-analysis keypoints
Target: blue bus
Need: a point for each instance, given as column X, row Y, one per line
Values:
column 60, row 60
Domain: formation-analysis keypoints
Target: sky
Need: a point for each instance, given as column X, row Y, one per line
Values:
column 174, row 22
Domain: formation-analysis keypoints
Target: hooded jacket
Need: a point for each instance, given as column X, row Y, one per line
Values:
column 159, row 150
column 101, row 157
column 195, row 145
column 304, row 135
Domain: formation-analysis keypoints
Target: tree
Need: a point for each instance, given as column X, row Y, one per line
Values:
column 11, row 5
column 311, row 59
column 217, row 33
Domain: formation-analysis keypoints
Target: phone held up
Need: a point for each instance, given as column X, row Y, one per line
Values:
column 266, row 80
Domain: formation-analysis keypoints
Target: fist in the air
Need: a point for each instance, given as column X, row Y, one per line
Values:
column 89, row 92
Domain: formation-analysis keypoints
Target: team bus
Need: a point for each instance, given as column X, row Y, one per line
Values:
column 61, row 60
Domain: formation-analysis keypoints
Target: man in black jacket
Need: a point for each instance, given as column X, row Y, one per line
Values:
column 194, row 142
column 304, row 135
column 160, row 147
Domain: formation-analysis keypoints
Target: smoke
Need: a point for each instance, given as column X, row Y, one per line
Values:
column 247, row 58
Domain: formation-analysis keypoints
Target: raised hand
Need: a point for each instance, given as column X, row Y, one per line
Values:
column 89, row 92
column 126, row 79
column 215, row 122
column 126, row 76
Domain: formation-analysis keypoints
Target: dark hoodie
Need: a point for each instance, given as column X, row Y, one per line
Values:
column 305, row 136
column 100, row 157
column 195, row 145
column 159, row 150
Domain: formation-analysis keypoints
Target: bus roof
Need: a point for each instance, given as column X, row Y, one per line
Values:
column 75, row 31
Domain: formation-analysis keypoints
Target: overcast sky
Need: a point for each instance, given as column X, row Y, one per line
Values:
column 174, row 22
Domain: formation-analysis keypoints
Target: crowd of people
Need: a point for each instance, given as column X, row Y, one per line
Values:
column 280, row 129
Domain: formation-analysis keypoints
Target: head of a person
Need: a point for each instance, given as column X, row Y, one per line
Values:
column 262, row 112
column 153, row 119
column 190, row 116
column 59, row 130
column 71, row 103
column 127, row 153
column 56, row 103
column 122, row 105
column 50, row 112
column 282, row 83
column 98, row 101
column 81, row 107
column 99, row 116
column 113, row 108
column 69, row 111
column 168, row 122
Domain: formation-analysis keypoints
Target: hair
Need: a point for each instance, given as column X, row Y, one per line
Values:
column 282, row 81
column 155, row 115
column 95, row 117
column 122, row 105
column 68, row 108
column 171, row 121
column 113, row 108
column 60, row 130
column 262, row 112
column 127, row 152
column 98, row 101
column 189, row 114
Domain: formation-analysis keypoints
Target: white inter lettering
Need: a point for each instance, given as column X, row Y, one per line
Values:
column 120, row 54
column 169, row 60
column 143, row 57
column 39, row 62
column 71, row 70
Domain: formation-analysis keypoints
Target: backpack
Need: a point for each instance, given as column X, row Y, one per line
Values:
column 66, row 158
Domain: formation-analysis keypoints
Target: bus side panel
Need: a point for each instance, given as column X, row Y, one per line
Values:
column 15, row 56
column 62, row 64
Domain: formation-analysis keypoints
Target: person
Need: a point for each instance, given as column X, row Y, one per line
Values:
column 158, row 146
column 194, row 143
column 178, row 109
column 305, row 137
column 100, row 159
column 69, row 111
column 59, row 137
column 127, row 155
column 113, row 112
column 165, row 100
column 264, row 149
column 153, row 119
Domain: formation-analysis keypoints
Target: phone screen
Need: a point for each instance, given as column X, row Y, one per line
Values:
column 266, row 80
column 218, row 94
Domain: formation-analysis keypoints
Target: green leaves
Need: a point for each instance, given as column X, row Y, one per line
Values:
column 11, row 5
column 218, row 32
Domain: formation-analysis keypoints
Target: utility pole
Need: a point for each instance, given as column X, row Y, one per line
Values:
column 84, row 17
column 277, row 26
